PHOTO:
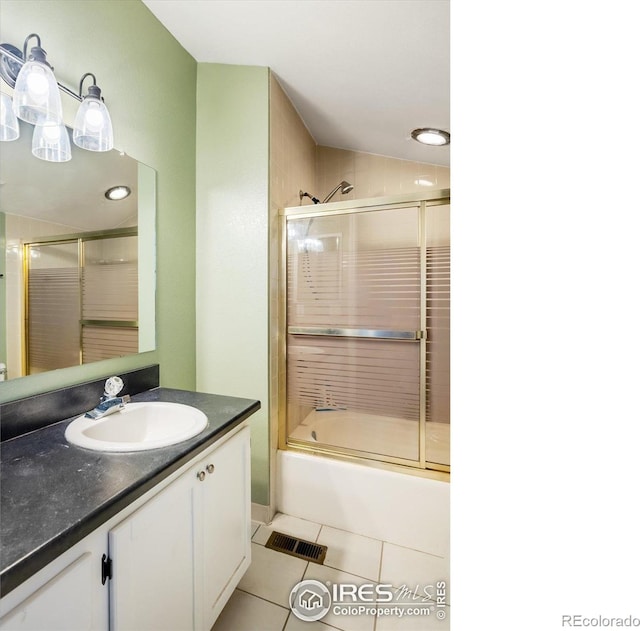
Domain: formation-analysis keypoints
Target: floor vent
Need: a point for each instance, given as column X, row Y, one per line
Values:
column 297, row 547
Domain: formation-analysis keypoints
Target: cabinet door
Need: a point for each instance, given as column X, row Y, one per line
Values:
column 225, row 509
column 62, row 604
column 152, row 556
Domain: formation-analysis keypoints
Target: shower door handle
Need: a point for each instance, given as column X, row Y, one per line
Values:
column 378, row 334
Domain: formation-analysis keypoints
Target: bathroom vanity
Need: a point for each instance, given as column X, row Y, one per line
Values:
column 153, row 539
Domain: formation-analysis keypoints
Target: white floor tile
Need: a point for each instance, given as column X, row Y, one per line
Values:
column 245, row 612
column 288, row 525
column 261, row 601
column 416, row 571
column 261, row 536
column 330, row 576
column 351, row 553
column 272, row 575
column 295, row 624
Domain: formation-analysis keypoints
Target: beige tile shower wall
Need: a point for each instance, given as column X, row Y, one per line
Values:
column 292, row 151
column 373, row 175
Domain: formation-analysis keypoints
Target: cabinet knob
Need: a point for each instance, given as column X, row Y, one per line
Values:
column 201, row 475
column 210, row 468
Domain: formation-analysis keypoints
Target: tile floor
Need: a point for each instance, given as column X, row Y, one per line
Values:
column 261, row 600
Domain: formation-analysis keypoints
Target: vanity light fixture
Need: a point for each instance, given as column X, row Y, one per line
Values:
column 51, row 143
column 116, row 193
column 430, row 136
column 36, row 100
column 92, row 129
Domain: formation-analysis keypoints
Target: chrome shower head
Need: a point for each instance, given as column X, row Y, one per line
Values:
column 344, row 187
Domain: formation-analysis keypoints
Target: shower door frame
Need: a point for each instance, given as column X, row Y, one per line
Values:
column 422, row 201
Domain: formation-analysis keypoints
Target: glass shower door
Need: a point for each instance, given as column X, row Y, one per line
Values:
column 354, row 330
column 109, row 298
column 53, row 306
column 81, row 300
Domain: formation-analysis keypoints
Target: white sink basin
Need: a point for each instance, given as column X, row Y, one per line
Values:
column 138, row 427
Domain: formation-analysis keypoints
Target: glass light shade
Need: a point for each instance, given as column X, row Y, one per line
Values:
column 51, row 143
column 9, row 126
column 36, row 98
column 92, row 127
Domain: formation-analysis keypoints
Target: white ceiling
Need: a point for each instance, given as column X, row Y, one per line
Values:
column 70, row 194
column 361, row 73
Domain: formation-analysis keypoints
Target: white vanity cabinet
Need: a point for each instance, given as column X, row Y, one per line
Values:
column 66, row 601
column 152, row 553
column 222, row 526
column 177, row 559
column 176, row 556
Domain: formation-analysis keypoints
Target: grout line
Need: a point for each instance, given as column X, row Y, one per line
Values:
column 431, row 554
column 261, row 598
column 339, row 569
column 380, row 564
column 357, row 534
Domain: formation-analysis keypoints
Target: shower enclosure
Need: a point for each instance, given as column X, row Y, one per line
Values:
column 366, row 345
column 81, row 299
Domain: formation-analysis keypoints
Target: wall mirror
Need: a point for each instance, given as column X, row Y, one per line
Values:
column 77, row 269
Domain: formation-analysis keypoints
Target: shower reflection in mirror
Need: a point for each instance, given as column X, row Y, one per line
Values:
column 81, row 300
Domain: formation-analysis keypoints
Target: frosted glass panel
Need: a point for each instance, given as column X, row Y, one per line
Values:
column 438, row 303
column 353, row 282
column 368, row 333
column 109, row 294
column 53, row 338
column 82, row 301
column 110, row 279
column 100, row 342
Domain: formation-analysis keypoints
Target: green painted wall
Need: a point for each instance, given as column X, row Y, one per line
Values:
column 232, row 245
column 149, row 83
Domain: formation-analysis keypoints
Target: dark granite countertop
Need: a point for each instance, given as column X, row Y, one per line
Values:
column 53, row 494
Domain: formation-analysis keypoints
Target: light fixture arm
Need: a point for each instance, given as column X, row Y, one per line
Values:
column 93, row 90
column 21, row 61
column 26, row 41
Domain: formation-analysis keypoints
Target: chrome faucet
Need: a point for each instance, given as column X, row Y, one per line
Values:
column 109, row 401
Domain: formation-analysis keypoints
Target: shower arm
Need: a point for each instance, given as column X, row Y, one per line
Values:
column 344, row 187
column 332, row 193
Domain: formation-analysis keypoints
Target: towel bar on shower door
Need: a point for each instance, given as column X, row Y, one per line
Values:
column 380, row 334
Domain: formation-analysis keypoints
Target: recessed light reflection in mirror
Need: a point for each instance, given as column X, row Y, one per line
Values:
column 116, row 193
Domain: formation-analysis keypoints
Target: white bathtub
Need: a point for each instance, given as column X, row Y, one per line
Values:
column 404, row 509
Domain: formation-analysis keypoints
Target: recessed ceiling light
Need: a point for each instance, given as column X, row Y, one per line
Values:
column 428, row 136
column 118, row 192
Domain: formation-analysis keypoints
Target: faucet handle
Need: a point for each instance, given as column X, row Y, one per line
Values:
column 112, row 386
